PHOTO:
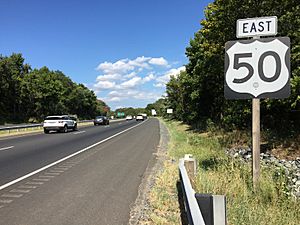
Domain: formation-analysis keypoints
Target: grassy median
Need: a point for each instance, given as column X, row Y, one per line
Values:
column 220, row 174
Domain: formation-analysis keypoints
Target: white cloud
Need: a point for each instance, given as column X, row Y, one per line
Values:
column 161, row 81
column 159, row 85
column 104, row 85
column 114, row 99
column 132, row 82
column 158, row 61
column 149, row 78
column 141, row 62
column 114, row 94
column 109, row 77
column 121, row 66
column 119, row 107
column 147, row 96
column 125, row 65
column 132, row 74
column 131, row 94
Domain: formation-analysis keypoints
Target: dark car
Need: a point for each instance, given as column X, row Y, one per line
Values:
column 101, row 120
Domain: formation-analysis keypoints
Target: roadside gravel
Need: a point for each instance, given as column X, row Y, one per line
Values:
column 291, row 168
column 139, row 209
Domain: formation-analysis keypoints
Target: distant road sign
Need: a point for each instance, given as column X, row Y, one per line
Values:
column 119, row 114
column 153, row 112
column 261, row 26
column 169, row 111
column 257, row 68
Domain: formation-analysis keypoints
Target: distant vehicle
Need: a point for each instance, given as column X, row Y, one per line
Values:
column 144, row 115
column 129, row 117
column 59, row 123
column 139, row 117
column 101, row 120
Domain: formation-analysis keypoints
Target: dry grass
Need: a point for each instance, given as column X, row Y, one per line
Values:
column 219, row 174
column 21, row 131
column 163, row 198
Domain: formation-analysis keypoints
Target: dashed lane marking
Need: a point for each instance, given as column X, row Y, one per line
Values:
column 19, row 191
column 57, row 171
column 6, row 148
column 46, row 176
column 65, row 158
column 27, row 186
column 5, row 201
column 11, row 195
column 80, row 132
column 71, row 163
column 35, row 183
column 38, row 179
column 63, row 168
column 52, row 174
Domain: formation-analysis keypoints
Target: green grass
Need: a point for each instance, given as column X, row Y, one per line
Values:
column 219, row 174
column 20, row 131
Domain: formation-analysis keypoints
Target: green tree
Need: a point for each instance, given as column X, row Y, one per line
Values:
column 12, row 71
column 83, row 102
column 160, row 107
column 44, row 93
column 205, row 69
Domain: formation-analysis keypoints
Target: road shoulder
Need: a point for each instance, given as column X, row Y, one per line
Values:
column 138, row 210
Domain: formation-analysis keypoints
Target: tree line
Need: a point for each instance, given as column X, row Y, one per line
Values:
column 197, row 94
column 28, row 95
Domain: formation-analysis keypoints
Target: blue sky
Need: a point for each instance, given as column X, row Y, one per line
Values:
column 123, row 50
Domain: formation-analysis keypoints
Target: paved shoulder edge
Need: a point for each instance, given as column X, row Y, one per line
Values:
column 138, row 209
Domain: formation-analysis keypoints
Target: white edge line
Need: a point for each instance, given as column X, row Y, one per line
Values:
column 65, row 158
column 1, row 149
column 80, row 132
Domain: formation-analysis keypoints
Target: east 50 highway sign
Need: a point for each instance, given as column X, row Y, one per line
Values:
column 257, row 68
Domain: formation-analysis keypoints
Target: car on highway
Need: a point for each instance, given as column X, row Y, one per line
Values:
column 144, row 115
column 139, row 117
column 61, row 123
column 101, row 120
column 129, row 117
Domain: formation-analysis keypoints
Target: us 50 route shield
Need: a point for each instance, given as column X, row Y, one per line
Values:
column 257, row 68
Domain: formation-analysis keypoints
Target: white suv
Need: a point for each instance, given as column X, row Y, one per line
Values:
column 139, row 117
column 59, row 123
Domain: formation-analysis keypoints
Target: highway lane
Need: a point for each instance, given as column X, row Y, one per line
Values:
column 95, row 187
column 22, row 155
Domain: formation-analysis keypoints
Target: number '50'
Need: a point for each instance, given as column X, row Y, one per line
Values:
column 237, row 65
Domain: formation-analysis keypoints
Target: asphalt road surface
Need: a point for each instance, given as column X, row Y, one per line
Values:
column 90, row 176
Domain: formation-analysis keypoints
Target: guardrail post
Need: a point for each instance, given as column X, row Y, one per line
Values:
column 193, row 212
column 191, row 167
column 213, row 208
column 204, row 209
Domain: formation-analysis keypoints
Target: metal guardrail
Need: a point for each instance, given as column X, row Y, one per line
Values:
column 21, row 127
column 201, row 209
column 25, row 126
column 193, row 211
